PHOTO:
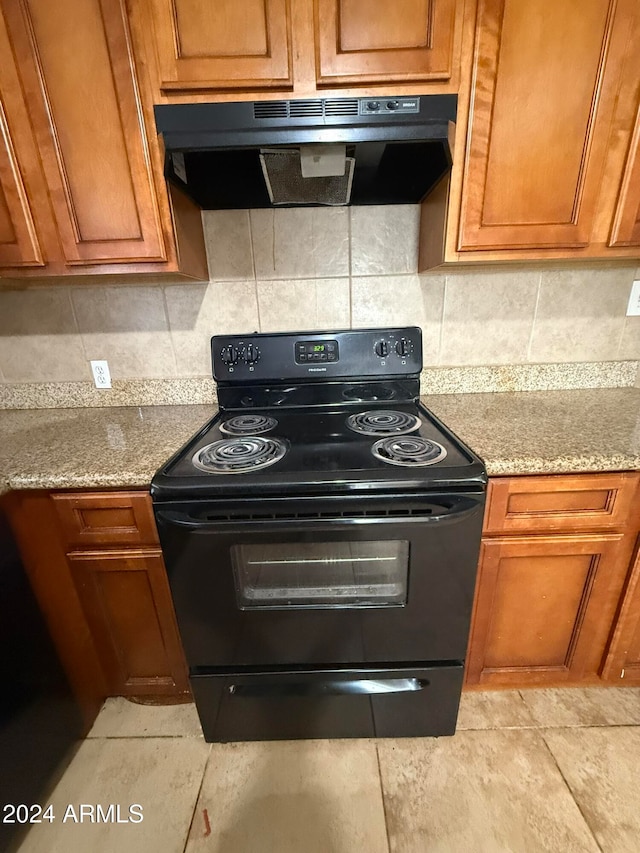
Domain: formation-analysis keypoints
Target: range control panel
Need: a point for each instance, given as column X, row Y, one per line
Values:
column 317, row 355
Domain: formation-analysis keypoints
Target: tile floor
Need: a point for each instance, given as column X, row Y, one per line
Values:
column 539, row 770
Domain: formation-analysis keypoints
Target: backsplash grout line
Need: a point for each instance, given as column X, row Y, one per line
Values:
column 441, row 329
column 533, row 322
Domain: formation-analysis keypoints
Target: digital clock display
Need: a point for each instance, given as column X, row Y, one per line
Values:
column 316, row 351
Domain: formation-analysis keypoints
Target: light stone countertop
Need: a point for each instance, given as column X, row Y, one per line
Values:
column 547, row 432
column 88, row 448
column 515, row 433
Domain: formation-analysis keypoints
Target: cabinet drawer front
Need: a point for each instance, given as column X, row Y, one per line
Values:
column 559, row 503
column 105, row 518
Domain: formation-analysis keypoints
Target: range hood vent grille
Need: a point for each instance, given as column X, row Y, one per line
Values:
column 270, row 109
column 341, row 107
column 303, row 109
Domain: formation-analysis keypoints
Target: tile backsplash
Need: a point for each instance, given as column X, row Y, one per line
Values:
column 315, row 268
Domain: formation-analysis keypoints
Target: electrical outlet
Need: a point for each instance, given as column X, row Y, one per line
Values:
column 633, row 308
column 101, row 375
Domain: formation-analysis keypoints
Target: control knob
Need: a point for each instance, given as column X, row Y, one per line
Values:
column 251, row 354
column 373, row 105
column 403, row 347
column 229, row 354
column 382, row 348
column 392, row 105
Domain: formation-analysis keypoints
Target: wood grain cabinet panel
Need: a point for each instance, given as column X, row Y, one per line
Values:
column 91, row 519
column 546, row 79
column 626, row 225
column 127, row 605
column 19, row 243
column 543, row 608
column 560, row 503
column 223, row 44
column 77, row 67
column 365, row 41
column 622, row 663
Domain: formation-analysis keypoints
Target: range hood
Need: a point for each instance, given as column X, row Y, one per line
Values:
column 320, row 151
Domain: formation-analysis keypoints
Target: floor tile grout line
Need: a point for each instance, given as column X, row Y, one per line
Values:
column 384, row 804
column 197, row 799
column 571, row 794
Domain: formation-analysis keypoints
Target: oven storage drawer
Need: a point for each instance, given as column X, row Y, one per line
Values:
column 371, row 702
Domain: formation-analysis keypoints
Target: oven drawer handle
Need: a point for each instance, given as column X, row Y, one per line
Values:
column 357, row 687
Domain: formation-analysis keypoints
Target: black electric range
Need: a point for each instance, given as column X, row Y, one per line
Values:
column 321, row 535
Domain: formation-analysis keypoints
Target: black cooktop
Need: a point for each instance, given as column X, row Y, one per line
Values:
column 301, row 397
column 322, row 454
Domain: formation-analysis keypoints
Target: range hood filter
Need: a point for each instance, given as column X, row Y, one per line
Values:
column 283, row 173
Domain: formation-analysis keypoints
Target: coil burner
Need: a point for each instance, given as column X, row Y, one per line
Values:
column 248, row 425
column 383, row 423
column 239, row 455
column 412, row 451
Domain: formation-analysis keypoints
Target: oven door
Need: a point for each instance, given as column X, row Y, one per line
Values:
column 323, row 584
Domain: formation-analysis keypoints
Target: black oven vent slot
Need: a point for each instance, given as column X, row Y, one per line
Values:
column 320, row 514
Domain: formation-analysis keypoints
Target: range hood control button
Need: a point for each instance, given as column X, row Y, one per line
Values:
column 392, row 105
column 403, row 347
column 382, row 349
column 251, row 354
column 229, row 355
column 373, row 105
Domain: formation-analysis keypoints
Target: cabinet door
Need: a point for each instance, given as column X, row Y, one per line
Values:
column 544, row 605
column 546, row 77
column 626, row 224
column 622, row 663
column 77, row 67
column 365, row 41
column 19, row 245
column 127, row 604
column 227, row 43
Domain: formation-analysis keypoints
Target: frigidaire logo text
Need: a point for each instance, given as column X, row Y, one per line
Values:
column 317, row 369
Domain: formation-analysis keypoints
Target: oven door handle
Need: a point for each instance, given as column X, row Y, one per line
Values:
column 457, row 511
column 329, row 687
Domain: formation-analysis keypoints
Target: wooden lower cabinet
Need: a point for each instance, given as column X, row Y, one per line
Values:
column 126, row 601
column 94, row 562
column 544, row 607
column 554, row 561
column 622, row 663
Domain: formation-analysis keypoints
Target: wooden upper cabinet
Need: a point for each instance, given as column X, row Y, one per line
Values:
column 544, row 88
column 626, row 224
column 222, row 44
column 366, row 41
column 77, row 68
column 19, row 244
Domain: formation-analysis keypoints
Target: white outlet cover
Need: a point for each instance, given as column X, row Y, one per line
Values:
column 633, row 308
column 101, row 375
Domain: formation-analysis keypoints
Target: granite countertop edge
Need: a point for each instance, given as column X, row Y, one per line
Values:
column 516, row 433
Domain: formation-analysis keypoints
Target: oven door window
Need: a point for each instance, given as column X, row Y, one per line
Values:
column 321, row 574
